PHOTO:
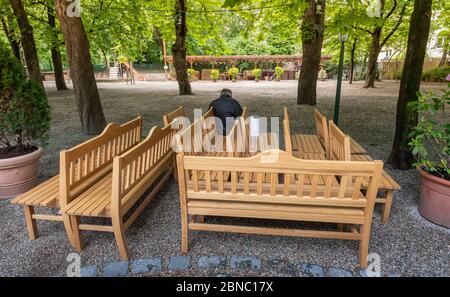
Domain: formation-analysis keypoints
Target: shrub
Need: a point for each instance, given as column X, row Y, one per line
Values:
column 430, row 139
column 257, row 73
column 322, row 74
column 24, row 110
column 191, row 73
column 331, row 69
column 233, row 71
column 215, row 74
column 437, row 74
column 397, row 74
column 278, row 72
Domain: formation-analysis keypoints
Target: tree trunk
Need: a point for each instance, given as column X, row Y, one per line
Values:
column 56, row 54
column 179, row 48
column 312, row 39
column 373, row 57
column 419, row 29
column 28, row 44
column 86, row 93
column 352, row 60
column 443, row 61
column 159, row 40
column 10, row 34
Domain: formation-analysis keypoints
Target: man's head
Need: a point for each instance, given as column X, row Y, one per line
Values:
column 226, row 92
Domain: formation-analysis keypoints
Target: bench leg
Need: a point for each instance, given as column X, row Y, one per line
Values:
column 119, row 235
column 184, row 232
column 340, row 227
column 364, row 246
column 77, row 236
column 31, row 223
column 387, row 206
column 68, row 227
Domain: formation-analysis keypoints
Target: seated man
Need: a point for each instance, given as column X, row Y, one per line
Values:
column 226, row 107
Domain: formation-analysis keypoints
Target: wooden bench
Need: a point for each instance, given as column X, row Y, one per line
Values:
column 117, row 195
column 340, row 149
column 94, row 160
column 171, row 116
column 304, row 144
column 316, row 144
column 280, row 198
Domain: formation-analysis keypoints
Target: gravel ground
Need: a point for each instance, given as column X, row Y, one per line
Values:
column 408, row 244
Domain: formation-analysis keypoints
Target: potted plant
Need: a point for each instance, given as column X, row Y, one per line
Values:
column 257, row 74
column 430, row 144
column 191, row 74
column 233, row 72
column 24, row 126
column 215, row 74
column 322, row 74
column 278, row 73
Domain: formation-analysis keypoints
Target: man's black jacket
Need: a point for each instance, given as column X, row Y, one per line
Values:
column 226, row 106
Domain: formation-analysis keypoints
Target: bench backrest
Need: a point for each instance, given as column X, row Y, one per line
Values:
column 140, row 167
column 238, row 136
column 209, row 113
column 339, row 143
column 190, row 140
column 287, row 131
column 168, row 118
column 322, row 130
column 324, row 183
column 84, row 164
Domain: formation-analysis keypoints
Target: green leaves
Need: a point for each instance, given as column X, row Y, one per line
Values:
column 430, row 139
column 24, row 111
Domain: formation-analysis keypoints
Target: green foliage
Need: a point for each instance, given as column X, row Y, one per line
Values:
column 257, row 73
column 430, row 139
column 397, row 74
column 437, row 74
column 191, row 73
column 24, row 110
column 233, row 72
column 278, row 72
column 215, row 74
column 331, row 69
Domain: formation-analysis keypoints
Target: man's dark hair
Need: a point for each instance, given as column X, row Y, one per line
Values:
column 226, row 91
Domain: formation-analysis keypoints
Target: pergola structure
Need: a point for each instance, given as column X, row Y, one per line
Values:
column 250, row 58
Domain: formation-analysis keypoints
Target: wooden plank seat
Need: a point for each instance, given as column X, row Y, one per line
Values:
column 119, row 194
column 318, row 143
column 280, row 198
column 92, row 163
column 356, row 148
column 340, row 144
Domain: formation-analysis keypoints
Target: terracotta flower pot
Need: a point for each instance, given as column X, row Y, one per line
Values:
column 18, row 174
column 434, row 203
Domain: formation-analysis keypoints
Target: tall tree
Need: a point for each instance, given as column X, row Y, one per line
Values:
column 377, row 42
column 352, row 59
column 28, row 44
column 8, row 28
column 56, row 54
column 77, row 47
column 445, row 48
column 419, row 29
column 179, row 48
column 312, row 40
